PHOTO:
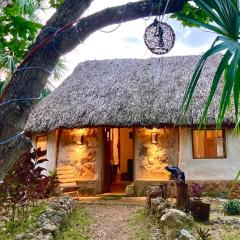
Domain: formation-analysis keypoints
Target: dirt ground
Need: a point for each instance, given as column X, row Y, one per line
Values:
column 119, row 219
column 111, row 221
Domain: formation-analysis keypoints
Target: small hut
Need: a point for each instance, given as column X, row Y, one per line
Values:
column 115, row 122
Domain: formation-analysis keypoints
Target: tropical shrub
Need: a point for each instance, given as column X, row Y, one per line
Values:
column 232, row 207
column 25, row 182
column 204, row 234
column 197, row 190
column 224, row 20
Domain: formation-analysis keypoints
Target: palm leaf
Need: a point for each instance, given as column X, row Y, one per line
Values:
column 224, row 16
column 196, row 75
column 236, row 92
column 216, row 80
column 231, row 75
column 202, row 24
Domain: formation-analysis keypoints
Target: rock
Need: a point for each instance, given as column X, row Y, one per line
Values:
column 48, row 224
column 47, row 237
column 20, row 236
column 4, row 219
column 49, row 228
column 175, row 220
column 158, row 205
column 130, row 190
column 186, row 235
column 154, row 192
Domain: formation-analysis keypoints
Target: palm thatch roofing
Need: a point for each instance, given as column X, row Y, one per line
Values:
column 127, row 92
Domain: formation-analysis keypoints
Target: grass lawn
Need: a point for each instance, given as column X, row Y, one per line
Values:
column 14, row 228
column 220, row 226
column 143, row 227
column 76, row 226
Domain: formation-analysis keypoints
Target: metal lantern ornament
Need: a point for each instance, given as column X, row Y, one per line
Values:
column 159, row 37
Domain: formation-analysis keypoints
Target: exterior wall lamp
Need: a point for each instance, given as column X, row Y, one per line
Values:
column 154, row 136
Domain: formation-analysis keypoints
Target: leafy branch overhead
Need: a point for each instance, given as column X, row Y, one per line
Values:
column 191, row 10
column 18, row 29
column 224, row 16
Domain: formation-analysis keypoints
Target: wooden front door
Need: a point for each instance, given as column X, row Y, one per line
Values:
column 106, row 167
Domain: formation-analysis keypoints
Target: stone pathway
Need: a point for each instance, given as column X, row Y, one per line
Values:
column 112, row 217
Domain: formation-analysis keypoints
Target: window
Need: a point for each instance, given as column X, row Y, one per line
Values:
column 41, row 142
column 209, row 144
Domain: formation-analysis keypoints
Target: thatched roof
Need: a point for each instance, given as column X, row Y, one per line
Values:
column 125, row 92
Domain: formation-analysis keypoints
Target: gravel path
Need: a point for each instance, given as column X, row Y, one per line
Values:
column 111, row 221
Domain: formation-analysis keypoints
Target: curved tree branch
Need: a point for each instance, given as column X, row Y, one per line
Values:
column 30, row 83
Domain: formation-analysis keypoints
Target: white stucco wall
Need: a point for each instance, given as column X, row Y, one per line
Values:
column 51, row 150
column 209, row 169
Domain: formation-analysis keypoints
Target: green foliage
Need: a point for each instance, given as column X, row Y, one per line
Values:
column 18, row 28
column 77, row 226
column 25, row 181
column 225, row 18
column 142, row 224
column 112, row 197
column 21, row 225
column 203, row 234
column 1, row 85
column 232, row 207
column 191, row 11
column 55, row 3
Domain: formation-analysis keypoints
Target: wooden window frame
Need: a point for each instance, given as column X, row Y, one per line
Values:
column 224, row 144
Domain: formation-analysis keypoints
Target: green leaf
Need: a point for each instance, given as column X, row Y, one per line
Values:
column 202, row 24
column 236, row 92
column 217, row 76
column 230, row 78
column 197, row 72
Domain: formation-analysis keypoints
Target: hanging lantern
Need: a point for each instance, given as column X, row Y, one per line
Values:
column 159, row 37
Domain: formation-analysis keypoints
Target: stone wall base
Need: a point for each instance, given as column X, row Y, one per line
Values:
column 141, row 187
column 220, row 189
column 48, row 224
column 87, row 188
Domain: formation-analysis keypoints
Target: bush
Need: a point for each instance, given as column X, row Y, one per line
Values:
column 25, row 183
column 197, row 190
column 232, row 207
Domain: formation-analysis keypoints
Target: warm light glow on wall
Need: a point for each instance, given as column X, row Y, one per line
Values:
column 154, row 136
column 155, row 149
column 80, row 156
column 78, row 135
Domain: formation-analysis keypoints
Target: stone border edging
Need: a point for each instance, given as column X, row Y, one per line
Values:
column 49, row 222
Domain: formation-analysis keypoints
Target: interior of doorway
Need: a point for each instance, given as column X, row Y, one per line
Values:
column 119, row 159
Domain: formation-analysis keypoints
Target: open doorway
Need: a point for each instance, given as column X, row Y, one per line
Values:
column 118, row 159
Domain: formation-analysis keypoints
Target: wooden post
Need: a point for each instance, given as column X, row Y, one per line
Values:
column 183, row 198
column 200, row 210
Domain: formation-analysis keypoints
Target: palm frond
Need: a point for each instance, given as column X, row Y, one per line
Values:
column 59, row 69
column 225, row 21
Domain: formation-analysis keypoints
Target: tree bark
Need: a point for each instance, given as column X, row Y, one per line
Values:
column 59, row 38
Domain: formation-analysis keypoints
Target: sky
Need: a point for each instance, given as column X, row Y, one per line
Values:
column 127, row 41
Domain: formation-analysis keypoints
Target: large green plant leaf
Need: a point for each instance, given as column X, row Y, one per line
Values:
column 224, row 16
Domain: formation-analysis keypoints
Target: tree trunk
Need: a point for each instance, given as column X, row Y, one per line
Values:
column 58, row 37
column 200, row 210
